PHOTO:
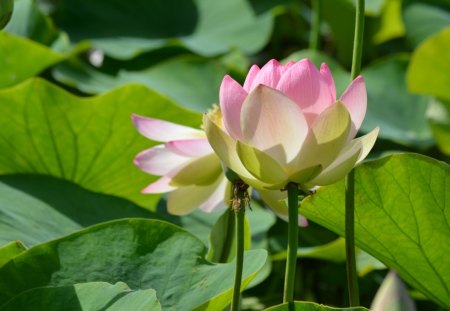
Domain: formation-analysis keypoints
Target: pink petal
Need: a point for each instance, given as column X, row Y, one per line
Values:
column 304, row 84
column 231, row 98
column 190, row 147
column 273, row 123
column 269, row 75
column 328, row 77
column 355, row 99
column 162, row 185
column 164, row 131
column 252, row 73
column 159, row 160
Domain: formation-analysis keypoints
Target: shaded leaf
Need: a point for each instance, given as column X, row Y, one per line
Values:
column 201, row 25
column 399, row 114
column 431, row 19
column 192, row 82
column 36, row 208
column 142, row 253
column 30, row 22
column 85, row 296
column 401, row 218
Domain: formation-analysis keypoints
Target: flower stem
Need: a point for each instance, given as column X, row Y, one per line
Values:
column 352, row 277
column 289, row 278
column 314, row 42
column 238, row 202
column 358, row 39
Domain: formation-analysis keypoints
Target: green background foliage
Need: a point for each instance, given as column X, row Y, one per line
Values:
column 72, row 73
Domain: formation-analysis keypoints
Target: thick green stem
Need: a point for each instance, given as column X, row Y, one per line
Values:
column 316, row 16
column 358, row 39
column 289, row 278
column 238, row 203
column 352, row 277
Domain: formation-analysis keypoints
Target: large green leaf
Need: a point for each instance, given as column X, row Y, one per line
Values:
column 206, row 27
column 85, row 297
column 399, row 114
column 429, row 67
column 36, row 208
column 21, row 58
column 192, row 82
column 431, row 19
column 310, row 306
column 90, row 141
column 402, row 218
column 10, row 250
column 142, row 253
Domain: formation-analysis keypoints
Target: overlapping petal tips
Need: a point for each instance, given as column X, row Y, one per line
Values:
column 164, row 131
column 252, row 73
column 223, row 145
column 305, row 85
column 269, row 75
column 355, row 99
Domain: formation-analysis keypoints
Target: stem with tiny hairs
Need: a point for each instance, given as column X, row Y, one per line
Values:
column 289, row 278
column 352, row 277
column 238, row 202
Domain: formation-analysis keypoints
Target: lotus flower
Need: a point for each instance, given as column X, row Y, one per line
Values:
column 190, row 170
column 285, row 125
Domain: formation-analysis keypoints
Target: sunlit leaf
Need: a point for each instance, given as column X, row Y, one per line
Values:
column 91, row 142
column 429, row 67
column 10, row 250
column 21, row 58
column 142, row 253
column 401, row 218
